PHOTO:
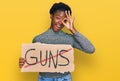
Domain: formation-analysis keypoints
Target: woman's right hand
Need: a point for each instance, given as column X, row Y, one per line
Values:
column 21, row 62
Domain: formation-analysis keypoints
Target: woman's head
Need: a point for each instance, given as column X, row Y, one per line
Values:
column 57, row 14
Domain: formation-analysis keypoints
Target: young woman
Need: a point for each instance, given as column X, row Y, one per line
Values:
column 60, row 14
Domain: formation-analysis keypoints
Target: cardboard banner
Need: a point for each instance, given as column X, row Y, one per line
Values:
column 47, row 58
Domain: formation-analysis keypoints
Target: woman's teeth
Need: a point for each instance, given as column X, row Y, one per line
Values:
column 58, row 26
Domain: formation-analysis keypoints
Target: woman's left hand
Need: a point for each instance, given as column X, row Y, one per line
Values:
column 68, row 22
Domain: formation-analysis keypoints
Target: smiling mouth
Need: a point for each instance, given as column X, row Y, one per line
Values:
column 58, row 26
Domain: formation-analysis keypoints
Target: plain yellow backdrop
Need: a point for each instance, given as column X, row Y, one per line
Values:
column 98, row 20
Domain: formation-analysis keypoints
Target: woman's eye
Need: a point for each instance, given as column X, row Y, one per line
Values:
column 57, row 17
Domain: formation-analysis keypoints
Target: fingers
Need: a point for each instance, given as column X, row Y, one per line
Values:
column 21, row 65
column 64, row 21
column 21, row 59
column 21, row 62
column 68, row 20
column 67, row 13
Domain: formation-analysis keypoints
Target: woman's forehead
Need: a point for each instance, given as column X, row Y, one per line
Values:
column 60, row 13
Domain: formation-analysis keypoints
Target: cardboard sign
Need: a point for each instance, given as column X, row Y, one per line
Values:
column 47, row 58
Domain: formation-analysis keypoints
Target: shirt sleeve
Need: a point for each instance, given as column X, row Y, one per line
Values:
column 35, row 39
column 82, row 43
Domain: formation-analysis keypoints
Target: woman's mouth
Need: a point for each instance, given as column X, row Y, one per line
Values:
column 58, row 27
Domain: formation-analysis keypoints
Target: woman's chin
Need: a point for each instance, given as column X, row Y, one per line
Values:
column 56, row 30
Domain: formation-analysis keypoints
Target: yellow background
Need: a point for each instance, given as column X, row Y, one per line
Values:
column 98, row 20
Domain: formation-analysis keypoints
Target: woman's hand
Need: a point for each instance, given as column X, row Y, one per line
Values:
column 68, row 22
column 21, row 62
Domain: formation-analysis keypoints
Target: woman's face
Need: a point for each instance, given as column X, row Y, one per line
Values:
column 57, row 19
